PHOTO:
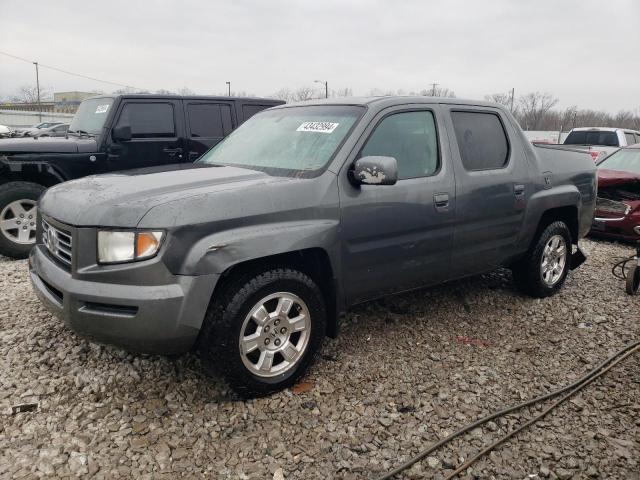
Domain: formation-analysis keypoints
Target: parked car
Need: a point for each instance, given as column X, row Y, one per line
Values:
column 5, row 132
column 55, row 131
column 110, row 133
column 618, row 204
column 30, row 131
column 257, row 248
column 601, row 141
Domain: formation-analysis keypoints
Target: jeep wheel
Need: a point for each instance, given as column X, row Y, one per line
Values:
column 18, row 208
column 262, row 334
column 544, row 268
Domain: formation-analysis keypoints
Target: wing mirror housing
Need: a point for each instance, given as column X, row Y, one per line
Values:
column 374, row 170
column 121, row 133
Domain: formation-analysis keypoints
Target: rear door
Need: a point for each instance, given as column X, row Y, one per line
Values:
column 492, row 188
column 207, row 123
column 157, row 134
column 248, row 110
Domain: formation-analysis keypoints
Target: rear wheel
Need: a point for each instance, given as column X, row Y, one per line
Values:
column 262, row 333
column 544, row 269
column 18, row 210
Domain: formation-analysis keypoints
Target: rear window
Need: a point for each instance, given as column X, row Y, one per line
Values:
column 592, row 137
column 209, row 120
column 482, row 140
column 249, row 111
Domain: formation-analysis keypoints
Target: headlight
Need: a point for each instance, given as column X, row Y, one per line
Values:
column 127, row 246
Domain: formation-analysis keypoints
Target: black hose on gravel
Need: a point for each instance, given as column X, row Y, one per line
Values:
column 569, row 391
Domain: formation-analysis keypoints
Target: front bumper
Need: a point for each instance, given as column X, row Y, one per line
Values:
column 164, row 319
column 616, row 228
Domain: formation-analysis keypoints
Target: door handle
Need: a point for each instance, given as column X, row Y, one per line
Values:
column 173, row 152
column 518, row 190
column 441, row 202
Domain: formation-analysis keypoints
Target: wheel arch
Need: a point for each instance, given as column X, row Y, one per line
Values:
column 40, row 173
column 314, row 262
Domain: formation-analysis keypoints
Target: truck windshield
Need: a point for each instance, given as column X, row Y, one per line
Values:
column 293, row 141
column 91, row 115
column 626, row 160
column 592, row 137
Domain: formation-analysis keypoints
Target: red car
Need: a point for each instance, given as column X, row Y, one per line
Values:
column 618, row 204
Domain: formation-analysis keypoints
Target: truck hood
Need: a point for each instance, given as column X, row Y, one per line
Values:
column 122, row 199
column 71, row 144
column 616, row 178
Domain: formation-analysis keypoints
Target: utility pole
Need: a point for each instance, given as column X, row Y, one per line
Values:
column 326, row 87
column 38, row 88
column 513, row 92
column 229, row 85
column 433, row 89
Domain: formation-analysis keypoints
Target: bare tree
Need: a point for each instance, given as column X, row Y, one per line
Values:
column 436, row 91
column 503, row 99
column 163, row 91
column 533, row 107
column 29, row 94
column 186, row 91
column 342, row 92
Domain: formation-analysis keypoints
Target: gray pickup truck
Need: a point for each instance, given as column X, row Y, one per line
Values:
column 252, row 253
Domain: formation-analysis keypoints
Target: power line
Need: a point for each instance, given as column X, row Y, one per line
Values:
column 70, row 73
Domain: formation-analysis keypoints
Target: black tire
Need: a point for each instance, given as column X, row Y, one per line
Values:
column 633, row 279
column 11, row 192
column 219, row 342
column 527, row 273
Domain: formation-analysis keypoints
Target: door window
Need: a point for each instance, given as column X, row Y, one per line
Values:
column 482, row 140
column 630, row 138
column 148, row 120
column 410, row 138
column 207, row 120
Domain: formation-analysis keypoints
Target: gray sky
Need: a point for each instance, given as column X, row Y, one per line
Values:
column 583, row 51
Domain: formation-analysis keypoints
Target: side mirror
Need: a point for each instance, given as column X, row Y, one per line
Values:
column 374, row 171
column 121, row 133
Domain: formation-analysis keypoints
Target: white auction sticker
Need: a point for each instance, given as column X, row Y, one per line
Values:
column 102, row 108
column 320, row 127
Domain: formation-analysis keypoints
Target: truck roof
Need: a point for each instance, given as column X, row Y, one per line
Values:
column 391, row 100
column 186, row 97
column 604, row 129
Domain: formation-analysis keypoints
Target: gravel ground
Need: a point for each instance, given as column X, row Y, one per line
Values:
column 404, row 372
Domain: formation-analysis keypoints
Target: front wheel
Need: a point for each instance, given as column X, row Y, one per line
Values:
column 263, row 332
column 544, row 269
column 18, row 207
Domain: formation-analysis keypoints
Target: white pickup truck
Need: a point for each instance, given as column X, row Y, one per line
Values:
column 601, row 141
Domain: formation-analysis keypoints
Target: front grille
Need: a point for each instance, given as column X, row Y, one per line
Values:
column 58, row 242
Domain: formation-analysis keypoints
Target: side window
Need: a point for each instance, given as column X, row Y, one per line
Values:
column 250, row 110
column 209, row 120
column 482, row 140
column 148, row 120
column 410, row 138
column 630, row 138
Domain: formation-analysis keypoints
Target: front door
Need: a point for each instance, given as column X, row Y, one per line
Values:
column 398, row 237
column 156, row 135
column 492, row 189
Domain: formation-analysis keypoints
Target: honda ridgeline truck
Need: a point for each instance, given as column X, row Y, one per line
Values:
column 253, row 252
column 110, row 133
